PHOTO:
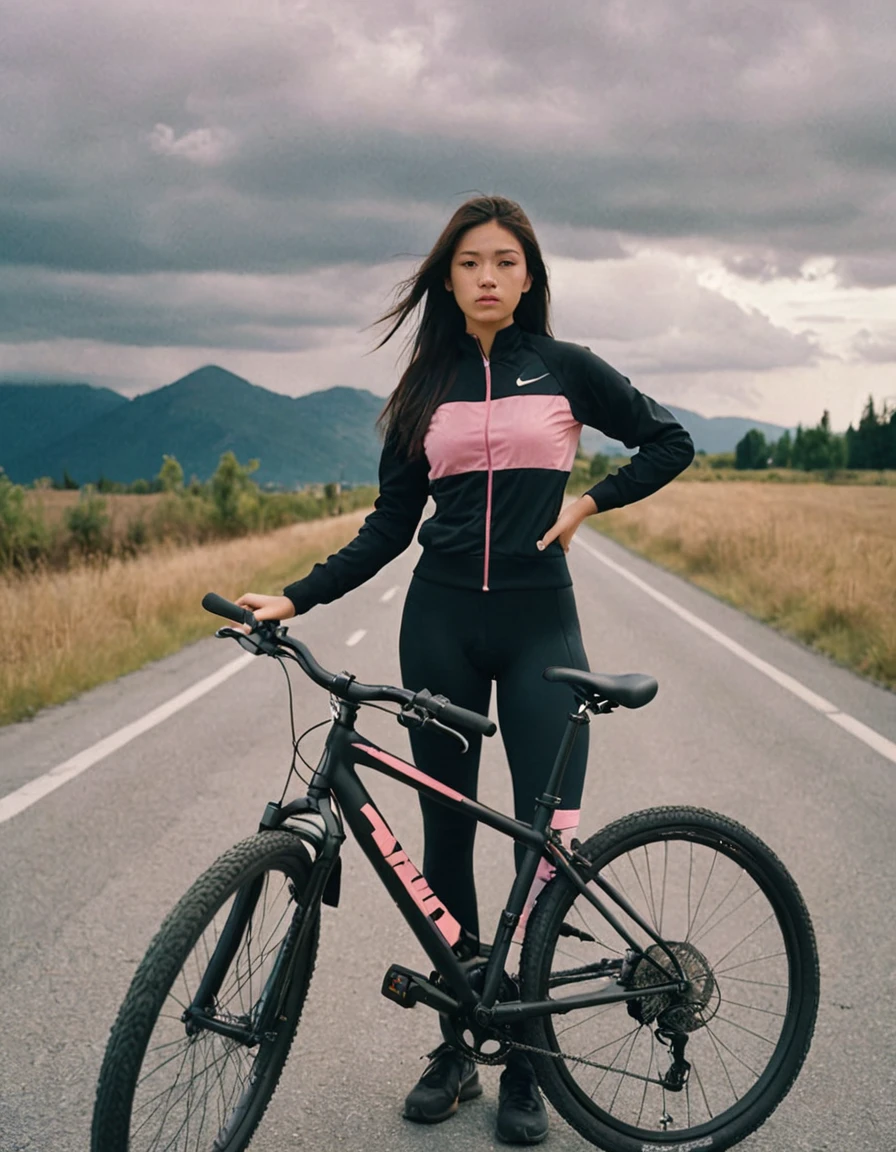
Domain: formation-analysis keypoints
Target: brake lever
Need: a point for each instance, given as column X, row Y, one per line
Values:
column 251, row 641
column 459, row 736
column 411, row 717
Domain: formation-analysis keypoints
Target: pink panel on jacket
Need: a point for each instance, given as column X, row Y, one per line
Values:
column 525, row 432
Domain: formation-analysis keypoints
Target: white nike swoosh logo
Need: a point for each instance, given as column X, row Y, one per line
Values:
column 523, row 383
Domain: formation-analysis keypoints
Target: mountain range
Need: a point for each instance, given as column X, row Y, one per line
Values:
column 323, row 436
column 48, row 429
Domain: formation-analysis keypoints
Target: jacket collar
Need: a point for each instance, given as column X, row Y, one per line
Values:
column 505, row 345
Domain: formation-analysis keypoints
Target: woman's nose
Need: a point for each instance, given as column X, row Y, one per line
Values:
column 486, row 276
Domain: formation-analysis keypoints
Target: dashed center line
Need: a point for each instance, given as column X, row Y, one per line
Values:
column 22, row 798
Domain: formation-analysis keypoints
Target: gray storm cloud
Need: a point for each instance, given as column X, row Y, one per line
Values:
column 159, row 140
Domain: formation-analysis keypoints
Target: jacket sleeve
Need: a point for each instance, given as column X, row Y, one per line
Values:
column 604, row 399
column 387, row 531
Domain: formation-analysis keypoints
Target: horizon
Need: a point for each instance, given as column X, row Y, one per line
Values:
column 50, row 381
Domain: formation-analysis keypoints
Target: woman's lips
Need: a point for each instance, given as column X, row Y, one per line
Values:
column 487, row 300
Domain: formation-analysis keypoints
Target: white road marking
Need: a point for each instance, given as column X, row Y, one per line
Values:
column 22, row 798
column 848, row 723
column 387, row 596
column 16, row 802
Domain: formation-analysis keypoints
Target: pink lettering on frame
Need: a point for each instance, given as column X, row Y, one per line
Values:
column 409, row 875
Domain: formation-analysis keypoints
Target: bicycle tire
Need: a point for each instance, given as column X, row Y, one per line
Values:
column 136, row 1108
column 735, row 919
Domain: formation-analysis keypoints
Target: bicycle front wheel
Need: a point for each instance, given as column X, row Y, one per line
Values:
column 204, row 1031
column 700, row 1068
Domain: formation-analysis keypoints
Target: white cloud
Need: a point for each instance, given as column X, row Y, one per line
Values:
column 653, row 313
column 878, row 348
column 207, row 146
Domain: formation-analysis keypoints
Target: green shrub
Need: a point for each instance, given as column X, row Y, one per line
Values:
column 183, row 518
column 136, row 537
column 88, row 525
column 235, row 495
column 24, row 537
column 171, row 475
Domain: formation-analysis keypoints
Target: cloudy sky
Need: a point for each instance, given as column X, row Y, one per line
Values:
column 713, row 184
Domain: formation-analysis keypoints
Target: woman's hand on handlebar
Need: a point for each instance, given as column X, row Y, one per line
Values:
column 267, row 607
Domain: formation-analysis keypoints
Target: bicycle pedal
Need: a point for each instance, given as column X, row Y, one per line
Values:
column 407, row 988
column 400, row 986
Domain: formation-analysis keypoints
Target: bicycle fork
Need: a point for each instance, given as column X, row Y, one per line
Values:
column 268, row 1009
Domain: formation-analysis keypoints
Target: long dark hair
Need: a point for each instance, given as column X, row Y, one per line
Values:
column 432, row 363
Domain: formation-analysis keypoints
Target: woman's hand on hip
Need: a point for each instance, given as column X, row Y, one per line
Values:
column 567, row 523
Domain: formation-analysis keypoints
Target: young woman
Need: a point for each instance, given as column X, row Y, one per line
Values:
column 486, row 419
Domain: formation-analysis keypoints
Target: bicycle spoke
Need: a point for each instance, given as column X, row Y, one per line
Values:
column 646, row 1086
column 621, row 1044
column 601, row 1011
column 748, row 936
column 693, row 920
column 665, row 878
column 167, row 1102
column 734, row 1056
column 200, row 1127
column 705, row 928
column 743, row 1028
column 624, row 1070
column 721, row 1060
column 753, row 1008
column 696, row 1074
column 650, row 887
column 752, row 960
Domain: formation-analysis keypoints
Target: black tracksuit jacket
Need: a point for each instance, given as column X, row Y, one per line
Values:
column 497, row 456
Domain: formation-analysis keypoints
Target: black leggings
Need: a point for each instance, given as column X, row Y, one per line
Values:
column 455, row 641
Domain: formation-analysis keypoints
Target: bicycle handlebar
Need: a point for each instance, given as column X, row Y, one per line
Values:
column 271, row 636
column 218, row 606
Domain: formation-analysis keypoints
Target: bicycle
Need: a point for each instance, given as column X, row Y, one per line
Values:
column 668, row 980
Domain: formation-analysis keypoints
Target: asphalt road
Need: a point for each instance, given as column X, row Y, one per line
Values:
column 89, row 870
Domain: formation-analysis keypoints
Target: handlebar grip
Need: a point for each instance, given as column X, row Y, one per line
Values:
column 464, row 718
column 218, row 606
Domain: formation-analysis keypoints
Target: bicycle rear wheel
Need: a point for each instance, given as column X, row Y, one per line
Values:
column 173, row 1080
column 699, row 1069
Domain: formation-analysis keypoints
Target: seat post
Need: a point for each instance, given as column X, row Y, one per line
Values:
column 550, row 799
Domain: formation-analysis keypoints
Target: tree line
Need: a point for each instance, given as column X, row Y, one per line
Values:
column 872, row 445
column 230, row 503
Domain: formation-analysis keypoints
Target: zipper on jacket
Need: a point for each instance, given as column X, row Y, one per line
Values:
column 486, row 363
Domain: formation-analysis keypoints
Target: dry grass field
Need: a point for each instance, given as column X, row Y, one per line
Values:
column 95, row 622
column 122, row 508
column 817, row 561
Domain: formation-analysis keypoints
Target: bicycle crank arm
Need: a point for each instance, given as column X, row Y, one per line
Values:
column 407, row 989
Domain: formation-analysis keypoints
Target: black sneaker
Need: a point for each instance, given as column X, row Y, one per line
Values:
column 522, row 1118
column 449, row 1079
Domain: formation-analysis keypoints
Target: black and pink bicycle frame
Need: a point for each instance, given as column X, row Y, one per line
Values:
column 441, row 936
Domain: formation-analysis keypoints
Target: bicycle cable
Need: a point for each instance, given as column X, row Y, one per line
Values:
column 296, row 741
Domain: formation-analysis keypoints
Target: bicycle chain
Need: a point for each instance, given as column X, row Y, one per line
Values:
column 481, row 1058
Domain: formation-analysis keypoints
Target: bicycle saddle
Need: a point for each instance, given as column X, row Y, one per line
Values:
column 631, row 690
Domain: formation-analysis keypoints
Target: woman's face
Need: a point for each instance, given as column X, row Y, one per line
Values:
column 488, row 276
